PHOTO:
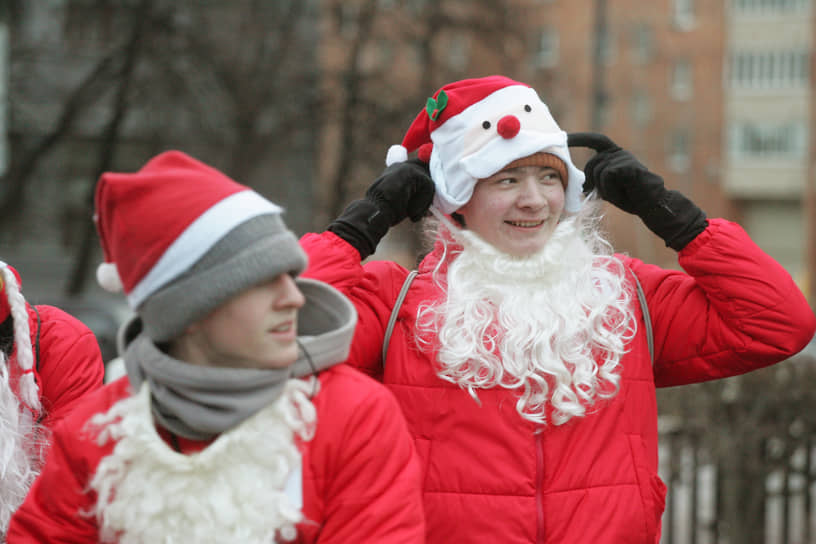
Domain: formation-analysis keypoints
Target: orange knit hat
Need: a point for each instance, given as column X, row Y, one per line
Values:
column 542, row 159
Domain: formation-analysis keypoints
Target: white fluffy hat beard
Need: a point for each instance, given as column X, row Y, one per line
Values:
column 232, row 491
column 551, row 326
column 21, row 440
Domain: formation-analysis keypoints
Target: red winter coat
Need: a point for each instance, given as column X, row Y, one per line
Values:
column 360, row 472
column 491, row 476
column 67, row 361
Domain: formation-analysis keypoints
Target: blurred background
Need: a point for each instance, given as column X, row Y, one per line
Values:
column 301, row 99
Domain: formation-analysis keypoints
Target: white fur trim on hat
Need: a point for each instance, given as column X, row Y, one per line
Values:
column 396, row 153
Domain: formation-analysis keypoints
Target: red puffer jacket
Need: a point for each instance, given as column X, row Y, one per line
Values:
column 360, row 471
column 67, row 361
column 489, row 475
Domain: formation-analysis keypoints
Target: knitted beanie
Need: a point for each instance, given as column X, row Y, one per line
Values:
column 181, row 238
column 544, row 160
column 473, row 128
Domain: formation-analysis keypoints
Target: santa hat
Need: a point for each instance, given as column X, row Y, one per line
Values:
column 473, row 128
column 14, row 307
column 180, row 238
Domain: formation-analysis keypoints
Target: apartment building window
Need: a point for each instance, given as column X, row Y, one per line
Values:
column 458, row 52
column 763, row 140
column 679, row 154
column 750, row 7
column 682, row 84
column 683, row 14
column 607, row 45
column 547, row 52
column 770, row 69
column 642, row 43
column 641, row 108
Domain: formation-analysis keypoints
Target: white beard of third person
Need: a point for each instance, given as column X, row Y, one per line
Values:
column 552, row 325
column 20, row 442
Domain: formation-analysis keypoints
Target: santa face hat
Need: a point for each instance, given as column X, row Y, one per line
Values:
column 181, row 238
column 473, row 128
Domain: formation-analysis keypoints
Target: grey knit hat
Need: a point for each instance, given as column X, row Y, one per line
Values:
column 181, row 238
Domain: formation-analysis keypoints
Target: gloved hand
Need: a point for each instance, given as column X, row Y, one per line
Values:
column 404, row 189
column 621, row 179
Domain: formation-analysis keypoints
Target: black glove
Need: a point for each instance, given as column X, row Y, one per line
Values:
column 404, row 189
column 622, row 180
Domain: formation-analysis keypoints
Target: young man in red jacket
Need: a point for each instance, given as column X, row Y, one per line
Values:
column 48, row 361
column 235, row 422
column 520, row 354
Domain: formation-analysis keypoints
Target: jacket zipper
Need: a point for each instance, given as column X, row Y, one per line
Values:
column 539, row 488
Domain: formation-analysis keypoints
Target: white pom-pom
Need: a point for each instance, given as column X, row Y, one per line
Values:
column 108, row 277
column 396, row 153
column 288, row 533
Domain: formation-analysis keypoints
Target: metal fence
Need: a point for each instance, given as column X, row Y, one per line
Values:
column 697, row 510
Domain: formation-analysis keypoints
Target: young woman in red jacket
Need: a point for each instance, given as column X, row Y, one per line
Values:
column 49, row 360
column 235, row 422
column 521, row 353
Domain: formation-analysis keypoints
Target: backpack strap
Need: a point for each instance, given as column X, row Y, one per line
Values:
column 647, row 319
column 392, row 320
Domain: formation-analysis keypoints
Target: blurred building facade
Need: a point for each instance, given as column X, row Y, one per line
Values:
column 713, row 94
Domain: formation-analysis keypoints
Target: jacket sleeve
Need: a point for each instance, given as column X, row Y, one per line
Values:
column 734, row 309
column 373, row 489
column 56, row 509
column 372, row 289
column 70, row 364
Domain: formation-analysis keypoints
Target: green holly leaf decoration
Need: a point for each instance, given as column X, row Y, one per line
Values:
column 435, row 107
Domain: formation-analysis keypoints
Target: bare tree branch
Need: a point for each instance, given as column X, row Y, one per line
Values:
column 110, row 139
column 21, row 169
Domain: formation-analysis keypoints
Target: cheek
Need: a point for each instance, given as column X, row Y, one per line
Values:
column 557, row 198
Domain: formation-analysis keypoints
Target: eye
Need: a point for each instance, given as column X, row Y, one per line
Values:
column 528, row 108
column 551, row 176
column 486, row 125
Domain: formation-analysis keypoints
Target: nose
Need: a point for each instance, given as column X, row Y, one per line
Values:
column 289, row 296
column 508, row 126
column 531, row 196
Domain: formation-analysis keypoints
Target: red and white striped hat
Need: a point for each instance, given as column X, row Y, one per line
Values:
column 180, row 238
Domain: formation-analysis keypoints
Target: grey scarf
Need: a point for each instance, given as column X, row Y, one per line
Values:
column 200, row 402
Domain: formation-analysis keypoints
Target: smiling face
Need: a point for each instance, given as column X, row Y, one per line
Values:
column 255, row 329
column 517, row 209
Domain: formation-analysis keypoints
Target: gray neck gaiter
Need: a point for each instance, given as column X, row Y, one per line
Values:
column 200, row 402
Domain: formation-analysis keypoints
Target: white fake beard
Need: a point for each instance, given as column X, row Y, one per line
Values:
column 21, row 445
column 552, row 325
column 232, row 491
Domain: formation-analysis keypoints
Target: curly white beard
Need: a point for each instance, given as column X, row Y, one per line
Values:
column 21, row 445
column 232, row 491
column 552, row 326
